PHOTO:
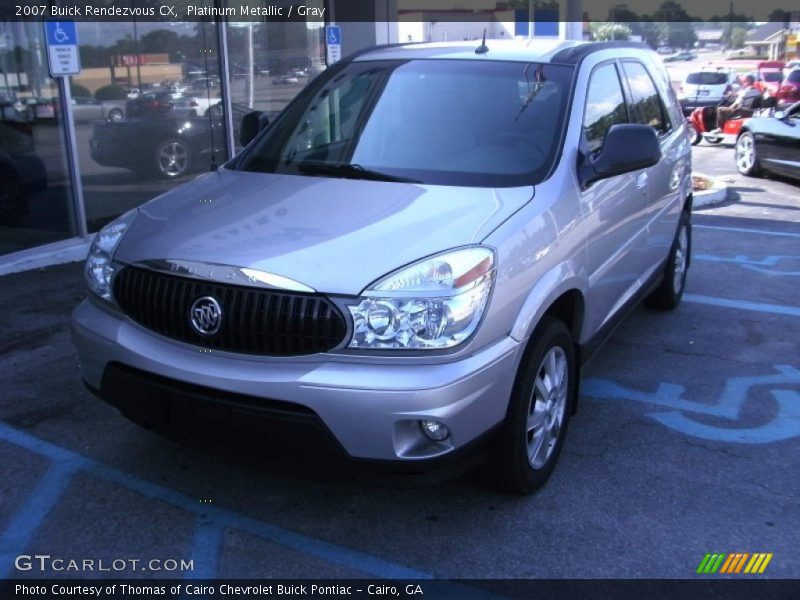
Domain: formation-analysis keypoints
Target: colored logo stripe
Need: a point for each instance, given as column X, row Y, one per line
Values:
column 758, row 563
column 734, row 563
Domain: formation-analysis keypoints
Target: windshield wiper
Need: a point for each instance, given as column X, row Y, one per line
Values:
column 349, row 171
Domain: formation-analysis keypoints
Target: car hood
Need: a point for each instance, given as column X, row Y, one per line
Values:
column 333, row 235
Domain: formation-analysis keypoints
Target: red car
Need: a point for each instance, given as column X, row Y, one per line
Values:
column 768, row 76
column 789, row 92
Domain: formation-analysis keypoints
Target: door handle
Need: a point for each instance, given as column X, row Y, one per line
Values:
column 641, row 181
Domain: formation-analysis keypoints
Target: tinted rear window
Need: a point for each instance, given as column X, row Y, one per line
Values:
column 707, row 78
column 771, row 76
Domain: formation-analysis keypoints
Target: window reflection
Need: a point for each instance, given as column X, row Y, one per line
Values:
column 147, row 111
column 35, row 195
column 270, row 62
column 605, row 106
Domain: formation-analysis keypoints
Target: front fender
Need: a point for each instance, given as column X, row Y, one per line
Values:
column 562, row 278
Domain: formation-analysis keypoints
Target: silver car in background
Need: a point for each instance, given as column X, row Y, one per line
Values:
column 408, row 267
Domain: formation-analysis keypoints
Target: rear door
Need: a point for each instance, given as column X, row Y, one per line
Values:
column 649, row 107
column 615, row 208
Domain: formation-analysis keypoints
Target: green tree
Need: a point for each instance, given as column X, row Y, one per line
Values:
column 738, row 37
column 79, row 91
column 651, row 34
column 111, row 92
column 676, row 26
column 610, row 31
column 159, row 41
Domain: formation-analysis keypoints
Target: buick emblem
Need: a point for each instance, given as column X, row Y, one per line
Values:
column 205, row 315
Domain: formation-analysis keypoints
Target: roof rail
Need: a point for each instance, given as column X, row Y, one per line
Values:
column 575, row 54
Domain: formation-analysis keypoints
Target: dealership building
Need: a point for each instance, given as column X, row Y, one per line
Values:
column 154, row 104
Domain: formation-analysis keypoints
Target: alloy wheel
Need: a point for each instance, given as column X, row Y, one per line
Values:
column 547, row 407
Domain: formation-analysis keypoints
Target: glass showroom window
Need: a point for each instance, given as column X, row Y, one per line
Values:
column 147, row 107
column 35, row 192
column 270, row 62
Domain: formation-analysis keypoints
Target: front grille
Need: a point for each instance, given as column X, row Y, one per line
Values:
column 254, row 321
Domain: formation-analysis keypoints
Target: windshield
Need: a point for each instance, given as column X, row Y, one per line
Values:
column 448, row 122
column 771, row 76
column 707, row 78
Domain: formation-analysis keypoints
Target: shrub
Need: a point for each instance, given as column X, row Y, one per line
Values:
column 76, row 89
column 111, row 92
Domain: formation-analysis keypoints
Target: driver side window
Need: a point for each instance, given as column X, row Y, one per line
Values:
column 605, row 106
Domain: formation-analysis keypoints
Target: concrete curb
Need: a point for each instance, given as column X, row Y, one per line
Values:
column 718, row 192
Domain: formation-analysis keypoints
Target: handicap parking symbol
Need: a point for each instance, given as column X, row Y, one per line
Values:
column 333, row 34
column 781, row 385
column 61, row 33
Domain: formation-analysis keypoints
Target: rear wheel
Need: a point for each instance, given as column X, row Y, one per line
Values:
column 541, row 402
column 713, row 139
column 746, row 155
column 173, row 158
column 668, row 295
column 694, row 134
column 114, row 115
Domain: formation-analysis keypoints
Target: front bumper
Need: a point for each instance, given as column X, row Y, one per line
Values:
column 370, row 408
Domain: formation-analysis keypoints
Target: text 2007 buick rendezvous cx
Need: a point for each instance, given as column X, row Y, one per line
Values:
column 410, row 263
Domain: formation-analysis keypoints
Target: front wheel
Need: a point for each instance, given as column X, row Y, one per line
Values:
column 746, row 155
column 669, row 293
column 539, row 409
column 173, row 158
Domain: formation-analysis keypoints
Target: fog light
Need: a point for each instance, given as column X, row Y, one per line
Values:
column 435, row 430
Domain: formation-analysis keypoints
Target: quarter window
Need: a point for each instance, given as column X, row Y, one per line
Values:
column 647, row 107
column 605, row 106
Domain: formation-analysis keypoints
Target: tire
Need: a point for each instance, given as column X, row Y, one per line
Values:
column 172, row 158
column 669, row 293
column 746, row 155
column 714, row 140
column 215, row 111
column 694, row 135
column 114, row 115
column 551, row 351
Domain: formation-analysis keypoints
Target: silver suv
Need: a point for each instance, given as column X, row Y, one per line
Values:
column 409, row 266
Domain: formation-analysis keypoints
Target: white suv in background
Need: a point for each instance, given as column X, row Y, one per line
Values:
column 706, row 87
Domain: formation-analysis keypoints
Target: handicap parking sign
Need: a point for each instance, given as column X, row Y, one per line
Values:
column 333, row 43
column 62, row 48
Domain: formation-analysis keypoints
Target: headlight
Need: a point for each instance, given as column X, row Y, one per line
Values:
column 99, row 270
column 434, row 303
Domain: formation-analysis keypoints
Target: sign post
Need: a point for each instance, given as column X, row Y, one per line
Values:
column 333, row 44
column 62, row 48
column 64, row 60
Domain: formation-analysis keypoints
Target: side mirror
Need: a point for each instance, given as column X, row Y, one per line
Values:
column 252, row 123
column 626, row 147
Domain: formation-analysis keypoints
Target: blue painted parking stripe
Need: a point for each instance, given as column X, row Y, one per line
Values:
column 761, row 307
column 221, row 517
column 747, row 230
column 205, row 549
column 17, row 536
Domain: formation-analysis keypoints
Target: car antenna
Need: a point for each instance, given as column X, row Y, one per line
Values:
column 483, row 48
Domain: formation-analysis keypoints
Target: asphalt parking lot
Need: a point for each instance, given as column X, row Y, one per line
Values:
column 686, row 443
